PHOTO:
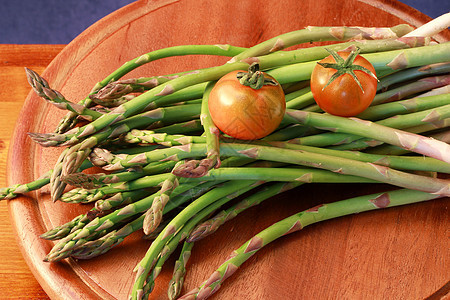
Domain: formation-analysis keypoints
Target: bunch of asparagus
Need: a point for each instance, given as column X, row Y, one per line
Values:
column 169, row 172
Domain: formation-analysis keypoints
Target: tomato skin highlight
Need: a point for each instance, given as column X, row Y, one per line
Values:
column 243, row 112
column 343, row 97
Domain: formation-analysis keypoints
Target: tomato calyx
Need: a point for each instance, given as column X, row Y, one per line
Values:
column 346, row 67
column 254, row 78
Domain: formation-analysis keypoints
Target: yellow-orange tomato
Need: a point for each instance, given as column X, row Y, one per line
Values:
column 343, row 97
column 243, row 112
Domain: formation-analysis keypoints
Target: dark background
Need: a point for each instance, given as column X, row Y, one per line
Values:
column 60, row 21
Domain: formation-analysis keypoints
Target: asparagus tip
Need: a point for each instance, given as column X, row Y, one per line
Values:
column 193, row 168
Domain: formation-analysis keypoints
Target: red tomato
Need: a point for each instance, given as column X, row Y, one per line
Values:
column 343, row 97
column 243, row 112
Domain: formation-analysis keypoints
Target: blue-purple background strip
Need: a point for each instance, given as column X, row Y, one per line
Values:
column 60, row 21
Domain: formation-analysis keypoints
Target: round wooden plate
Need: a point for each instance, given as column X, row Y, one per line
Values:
column 399, row 253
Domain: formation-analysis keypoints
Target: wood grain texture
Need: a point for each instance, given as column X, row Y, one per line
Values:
column 16, row 280
column 400, row 253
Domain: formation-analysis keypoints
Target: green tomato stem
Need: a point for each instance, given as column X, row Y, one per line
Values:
column 346, row 66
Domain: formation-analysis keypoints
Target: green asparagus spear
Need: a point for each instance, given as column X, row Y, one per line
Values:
column 299, row 221
column 412, row 142
column 224, row 50
column 312, row 33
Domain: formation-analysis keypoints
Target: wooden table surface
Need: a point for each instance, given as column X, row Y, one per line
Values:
column 16, row 279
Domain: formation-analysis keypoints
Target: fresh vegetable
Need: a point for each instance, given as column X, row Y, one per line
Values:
column 144, row 188
column 298, row 222
column 247, row 105
column 344, row 83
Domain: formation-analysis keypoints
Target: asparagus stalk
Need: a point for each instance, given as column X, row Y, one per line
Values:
column 405, row 106
column 121, row 199
column 189, row 127
column 427, row 120
column 433, row 27
column 194, row 168
column 179, row 271
column 114, row 90
column 304, row 88
column 105, row 110
column 114, row 102
column 165, row 139
column 365, row 143
column 436, row 118
column 91, row 249
column 404, row 163
column 150, row 259
column 389, row 60
column 312, row 33
column 319, row 52
column 80, row 221
column 211, row 132
column 408, row 58
column 173, row 242
column 421, row 85
column 229, row 173
column 412, row 74
column 42, row 89
column 63, row 230
column 117, row 90
column 208, row 227
column 223, row 50
column 219, row 50
column 19, row 189
column 299, row 221
column 187, row 95
column 167, row 114
column 317, row 160
column 383, row 62
column 410, row 141
column 185, row 231
column 211, row 225
column 100, row 246
column 77, row 238
column 153, row 216
column 292, row 131
column 437, row 91
column 394, row 150
column 71, row 157
column 81, row 195
column 301, row 101
column 146, row 265
column 114, row 162
column 92, row 181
